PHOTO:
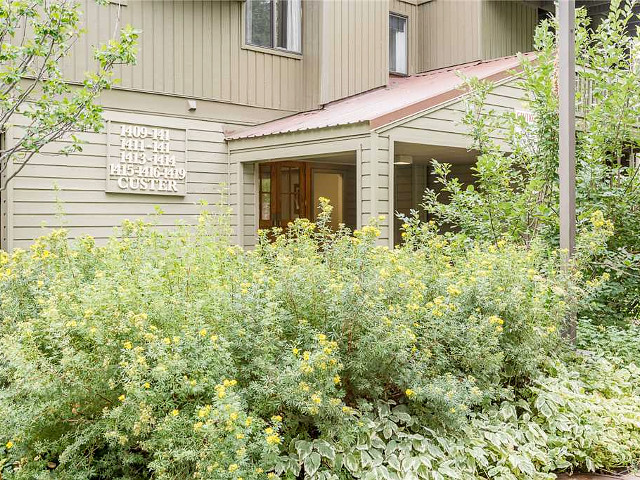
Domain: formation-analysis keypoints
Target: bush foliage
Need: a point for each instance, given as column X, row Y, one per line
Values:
column 516, row 196
column 317, row 355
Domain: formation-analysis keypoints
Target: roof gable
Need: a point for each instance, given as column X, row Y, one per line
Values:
column 404, row 96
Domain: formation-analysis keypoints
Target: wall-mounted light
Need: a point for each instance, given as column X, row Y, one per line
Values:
column 403, row 160
column 192, row 105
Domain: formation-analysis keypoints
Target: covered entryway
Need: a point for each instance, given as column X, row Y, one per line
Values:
column 290, row 190
column 370, row 154
column 413, row 175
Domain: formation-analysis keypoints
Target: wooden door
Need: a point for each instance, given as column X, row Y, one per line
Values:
column 284, row 193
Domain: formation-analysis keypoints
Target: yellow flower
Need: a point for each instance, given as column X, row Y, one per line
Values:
column 409, row 393
column 203, row 332
column 147, row 385
column 273, row 439
column 128, row 345
column 9, row 444
column 175, row 412
column 166, row 341
column 336, row 379
column 453, row 290
column 276, row 418
column 233, row 467
column 271, row 475
column 268, row 430
column 295, row 351
column 121, row 398
column 248, row 421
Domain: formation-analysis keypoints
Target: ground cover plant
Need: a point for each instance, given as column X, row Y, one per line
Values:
column 317, row 355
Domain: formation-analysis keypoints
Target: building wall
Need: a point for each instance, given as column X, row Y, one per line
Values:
column 411, row 11
column 55, row 190
column 354, row 47
column 449, row 33
column 507, row 28
column 194, row 49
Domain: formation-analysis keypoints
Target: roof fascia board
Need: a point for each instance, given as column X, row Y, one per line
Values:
column 404, row 114
column 286, row 137
column 309, row 143
column 401, row 121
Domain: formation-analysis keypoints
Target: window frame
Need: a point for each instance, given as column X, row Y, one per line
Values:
column 274, row 50
column 406, row 33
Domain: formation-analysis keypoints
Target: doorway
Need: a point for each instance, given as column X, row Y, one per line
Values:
column 290, row 190
column 283, row 193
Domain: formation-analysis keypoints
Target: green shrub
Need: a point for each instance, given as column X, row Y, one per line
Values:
column 177, row 355
column 516, row 194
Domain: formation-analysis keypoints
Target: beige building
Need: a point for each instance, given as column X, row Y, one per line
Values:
column 276, row 102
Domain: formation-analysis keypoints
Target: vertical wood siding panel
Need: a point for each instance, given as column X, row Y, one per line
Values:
column 148, row 45
column 158, row 52
column 187, row 52
column 216, row 55
column 353, row 46
column 207, row 50
column 344, row 43
column 197, row 49
column 226, row 48
column 169, row 46
column 178, row 59
column 259, row 76
column 266, row 84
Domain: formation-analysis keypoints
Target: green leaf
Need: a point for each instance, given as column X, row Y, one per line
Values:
column 303, row 448
column 312, row 463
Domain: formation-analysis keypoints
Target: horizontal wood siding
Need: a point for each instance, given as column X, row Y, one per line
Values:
column 449, row 33
column 194, row 49
column 507, row 27
column 69, row 191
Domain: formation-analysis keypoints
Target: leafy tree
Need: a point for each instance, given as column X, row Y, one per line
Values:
column 36, row 36
column 516, row 196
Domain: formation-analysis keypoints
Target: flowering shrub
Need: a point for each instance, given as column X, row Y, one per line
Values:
column 177, row 355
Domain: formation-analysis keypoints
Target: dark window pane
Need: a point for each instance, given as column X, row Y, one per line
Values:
column 288, row 24
column 265, row 178
column 259, row 22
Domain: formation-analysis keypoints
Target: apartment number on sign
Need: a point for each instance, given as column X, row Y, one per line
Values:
column 146, row 163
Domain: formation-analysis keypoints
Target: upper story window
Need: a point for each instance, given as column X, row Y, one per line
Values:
column 397, row 44
column 274, row 24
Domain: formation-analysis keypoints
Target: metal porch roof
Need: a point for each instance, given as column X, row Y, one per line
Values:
column 403, row 96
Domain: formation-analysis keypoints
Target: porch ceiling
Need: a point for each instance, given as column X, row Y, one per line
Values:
column 424, row 154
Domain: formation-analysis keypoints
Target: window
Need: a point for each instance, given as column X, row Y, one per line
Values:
column 274, row 24
column 397, row 44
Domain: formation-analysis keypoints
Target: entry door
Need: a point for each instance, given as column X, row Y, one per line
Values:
column 284, row 192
